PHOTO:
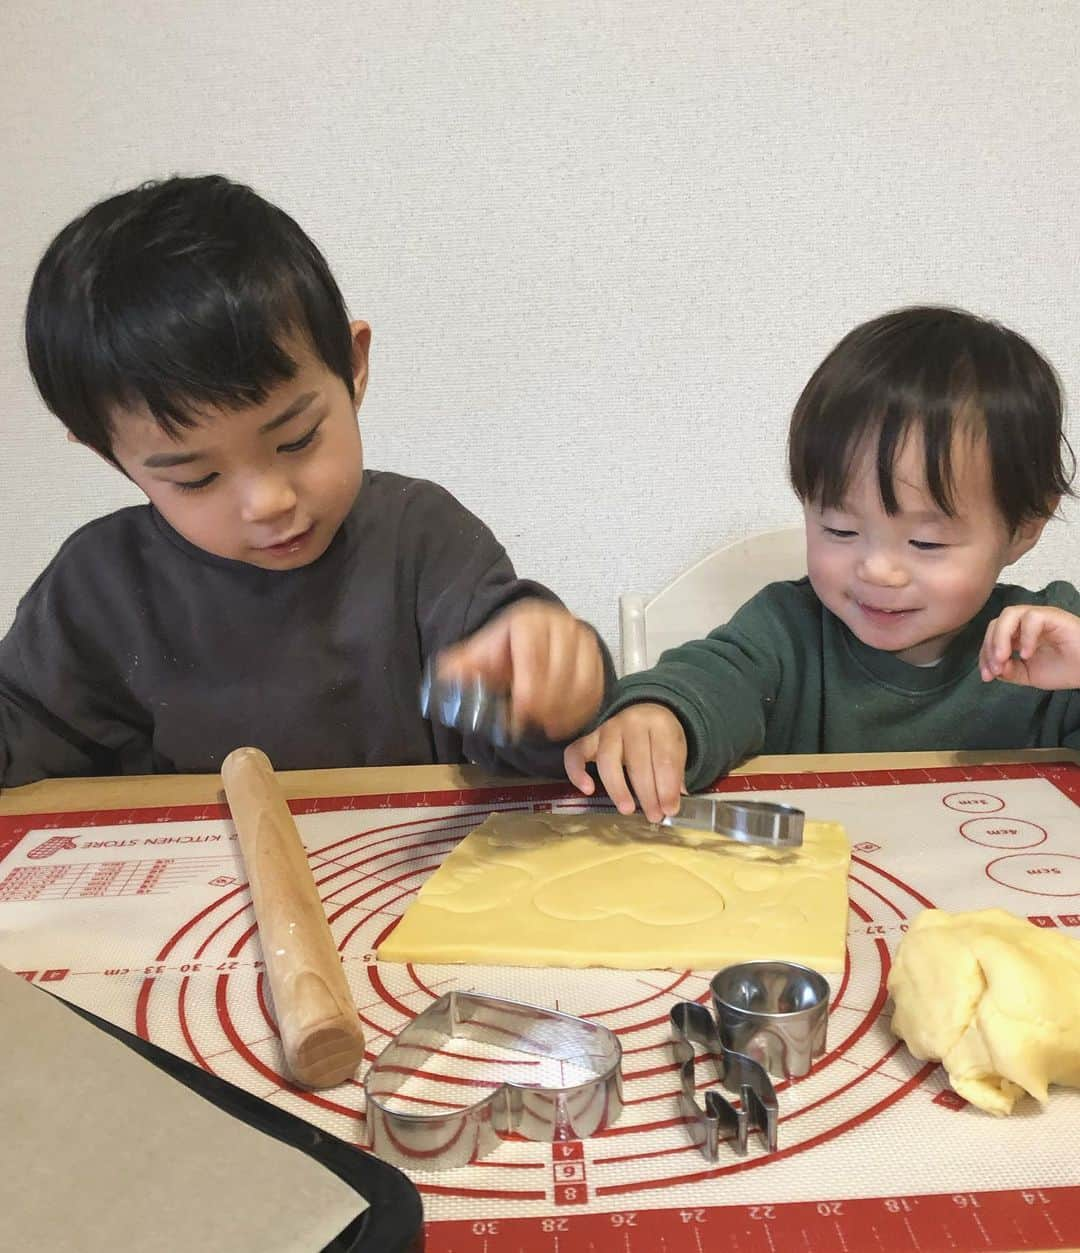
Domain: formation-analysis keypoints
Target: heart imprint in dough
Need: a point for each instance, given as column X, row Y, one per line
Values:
column 643, row 885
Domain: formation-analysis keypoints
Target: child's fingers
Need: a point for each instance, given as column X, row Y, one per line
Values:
column 558, row 675
column 576, row 692
column 609, row 763
column 1003, row 640
column 554, row 710
column 637, row 753
column 575, row 758
column 548, row 660
column 1032, row 645
column 669, row 766
column 1032, row 627
column 989, row 666
column 485, row 655
column 985, row 672
column 998, row 642
column 1015, row 671
column 529, row 650
column 628, row 751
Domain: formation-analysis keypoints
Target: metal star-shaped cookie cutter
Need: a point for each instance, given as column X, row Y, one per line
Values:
column 536, row 1111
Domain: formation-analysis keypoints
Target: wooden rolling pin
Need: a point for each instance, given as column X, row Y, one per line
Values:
column 316, row 1018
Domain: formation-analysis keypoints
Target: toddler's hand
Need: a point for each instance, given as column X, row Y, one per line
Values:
column 646, row 739
column 549, row 661
column 1046, row 642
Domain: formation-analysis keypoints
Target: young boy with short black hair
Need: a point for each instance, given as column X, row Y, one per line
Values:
column 928, row 453
column 273, row 591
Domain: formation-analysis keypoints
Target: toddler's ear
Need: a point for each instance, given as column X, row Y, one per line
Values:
column 1025, row 537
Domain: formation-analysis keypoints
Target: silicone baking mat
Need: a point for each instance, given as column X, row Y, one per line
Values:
column 142, row 916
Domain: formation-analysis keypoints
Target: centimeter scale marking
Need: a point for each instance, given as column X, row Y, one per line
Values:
column 997, row 1222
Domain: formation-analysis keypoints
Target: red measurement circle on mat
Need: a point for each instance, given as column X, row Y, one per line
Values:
column 366, row 881
column 1038, row 874
column 1001, row 832
column 973, row 802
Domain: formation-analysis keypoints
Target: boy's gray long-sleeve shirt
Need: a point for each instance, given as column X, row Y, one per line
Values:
column 786, row 676
column 137, row 653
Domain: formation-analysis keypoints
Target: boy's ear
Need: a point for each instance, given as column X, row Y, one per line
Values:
column 361, row 343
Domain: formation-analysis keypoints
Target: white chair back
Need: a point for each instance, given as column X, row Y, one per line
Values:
column 706, row 595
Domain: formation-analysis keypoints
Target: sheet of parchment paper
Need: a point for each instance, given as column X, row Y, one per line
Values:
column 101, row 1152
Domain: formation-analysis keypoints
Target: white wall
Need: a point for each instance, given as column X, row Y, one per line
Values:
column 602, row 243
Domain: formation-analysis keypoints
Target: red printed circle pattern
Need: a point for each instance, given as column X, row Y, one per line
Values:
column 366, row 880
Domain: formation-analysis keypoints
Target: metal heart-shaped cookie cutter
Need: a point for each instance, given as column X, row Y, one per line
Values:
column 536, row 1111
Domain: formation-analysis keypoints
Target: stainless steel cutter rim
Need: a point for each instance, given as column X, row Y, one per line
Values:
column 466, row 705
column 764, row 824
column 451, row 1138
column 814, row 977
column 691, row 1024
column 779, row 808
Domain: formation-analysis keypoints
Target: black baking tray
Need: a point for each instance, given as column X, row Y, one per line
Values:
column 393, row 1221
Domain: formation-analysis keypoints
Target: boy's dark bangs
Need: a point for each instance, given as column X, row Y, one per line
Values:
column 211, row 349
column 183, row 343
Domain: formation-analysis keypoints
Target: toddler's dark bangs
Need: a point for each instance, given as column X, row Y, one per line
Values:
column 830, row 451
column 937, row 374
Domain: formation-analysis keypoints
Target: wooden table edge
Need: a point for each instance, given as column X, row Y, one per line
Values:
column 137, row 791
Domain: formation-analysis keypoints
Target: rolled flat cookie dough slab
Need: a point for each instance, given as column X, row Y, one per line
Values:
column 995, row 998
column 535, row 889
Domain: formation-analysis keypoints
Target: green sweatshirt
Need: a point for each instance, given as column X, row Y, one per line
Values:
column 786, row 676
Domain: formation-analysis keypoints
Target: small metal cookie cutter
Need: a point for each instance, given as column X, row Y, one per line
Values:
column 468, row 706
column 692, row 1024
column 776, row 1012
column 749, row 822
column 536, row 1111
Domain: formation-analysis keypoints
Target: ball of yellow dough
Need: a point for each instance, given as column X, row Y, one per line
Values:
column 995, row 998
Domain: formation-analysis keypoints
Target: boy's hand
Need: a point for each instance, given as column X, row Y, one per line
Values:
column 548, row 660
column 646, row 740
column 1046, row 642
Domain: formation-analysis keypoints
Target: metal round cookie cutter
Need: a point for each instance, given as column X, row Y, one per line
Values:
column 468, row 706
column 776, row 1012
